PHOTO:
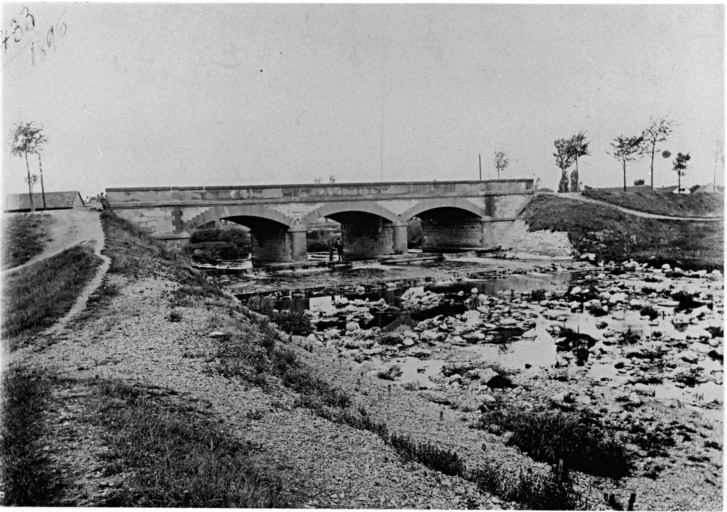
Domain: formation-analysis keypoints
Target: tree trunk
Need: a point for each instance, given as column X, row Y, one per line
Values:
column 30, row 186
column 42, row 187
column 653, row 149
column 624, row 175
column 679, row 181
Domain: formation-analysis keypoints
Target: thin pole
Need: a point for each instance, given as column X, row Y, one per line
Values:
column 381, row 161
column 42, row 188
column 480, row 155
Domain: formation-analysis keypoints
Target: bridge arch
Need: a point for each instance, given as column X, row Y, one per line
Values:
column 239, row 210
column 275, row 237
column 450, row 202
column 370, row 207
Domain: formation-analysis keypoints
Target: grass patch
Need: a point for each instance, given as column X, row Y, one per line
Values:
column 550, row 436
column 663, row 203
column 292, row 322
column 36, row 296
column 541, row 491
column 175, row 456
column 27, row 478
column 615, row 236
column 23, row 237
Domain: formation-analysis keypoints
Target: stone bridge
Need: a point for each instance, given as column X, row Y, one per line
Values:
column 373, row 216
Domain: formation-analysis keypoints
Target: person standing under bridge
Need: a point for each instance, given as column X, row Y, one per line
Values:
column 339, row 248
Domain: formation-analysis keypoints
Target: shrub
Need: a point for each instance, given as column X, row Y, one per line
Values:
column 649, row 311
column 391, row 373
column 628, row 337
column 551, row 436
column 537, row 295
column 438, row 459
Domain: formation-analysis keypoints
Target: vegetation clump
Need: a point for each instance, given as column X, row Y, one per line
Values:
column 215, row 245
column 292, row 322
column 550, row 436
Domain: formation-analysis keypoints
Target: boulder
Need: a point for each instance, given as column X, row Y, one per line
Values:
column 689, row 356
column 617, row 298
column 500, row 382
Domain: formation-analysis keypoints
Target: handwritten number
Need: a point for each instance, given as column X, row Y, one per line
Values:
column 28, row 15
column 14, row 30
column 4, row 40
column 50, row 39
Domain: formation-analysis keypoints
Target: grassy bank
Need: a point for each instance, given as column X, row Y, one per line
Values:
column 614, row 235
column 176, row 455
column 36, row 296
column 27, row 476
column 23, row 236
column 663, row 203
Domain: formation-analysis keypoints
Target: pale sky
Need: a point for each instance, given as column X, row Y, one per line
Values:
column 202, row 94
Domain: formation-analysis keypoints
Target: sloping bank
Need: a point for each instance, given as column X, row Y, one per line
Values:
column 613, row 235
column 167, row 393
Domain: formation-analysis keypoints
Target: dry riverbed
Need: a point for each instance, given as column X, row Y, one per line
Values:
column 638, row 348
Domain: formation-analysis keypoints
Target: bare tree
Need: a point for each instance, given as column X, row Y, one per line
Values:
column 658, row 131
column 501, row 161
column 626, row 149
column 578, row 147
column 28, row 138
column 680, row 167
column 563, row 159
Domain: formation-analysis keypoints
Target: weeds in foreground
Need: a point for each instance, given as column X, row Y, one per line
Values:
column 550, row 436
column 541, row 491
column 27, row 478
column 35, row 297
column 177, row 457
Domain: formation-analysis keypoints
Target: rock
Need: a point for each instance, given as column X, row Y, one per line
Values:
column 219, row 334
column 352, row 326
column 408, row 342
column 487, row 399
column 529, row 334
column 689, row 356
column 617, row 298
column 583, row 400
column 454, row 378
column 500, row 382
column 680, row 320
column 430, row 335
column 508, row 322
column 575, row 291
column 436, row 397
column 485, row 374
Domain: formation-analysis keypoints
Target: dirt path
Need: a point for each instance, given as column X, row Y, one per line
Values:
column 68, row 229
column 637, row 213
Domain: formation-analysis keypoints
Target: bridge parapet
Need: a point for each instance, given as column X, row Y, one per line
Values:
column 159, row 196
